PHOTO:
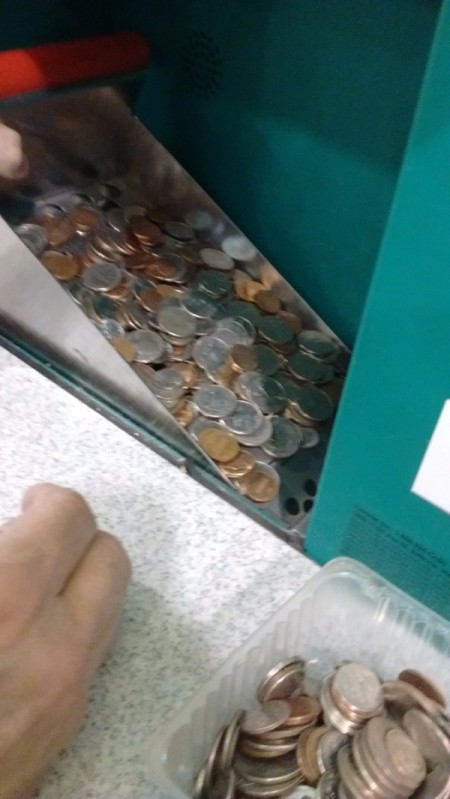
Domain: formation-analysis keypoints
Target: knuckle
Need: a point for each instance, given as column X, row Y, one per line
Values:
column 119, row 559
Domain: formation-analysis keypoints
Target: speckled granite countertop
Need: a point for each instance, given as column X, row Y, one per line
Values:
column 205, row 576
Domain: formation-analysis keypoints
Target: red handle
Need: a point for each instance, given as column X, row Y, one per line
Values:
column 51, row 65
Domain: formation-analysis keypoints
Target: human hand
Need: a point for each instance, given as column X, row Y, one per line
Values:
column 61, row 589
column 13, row 162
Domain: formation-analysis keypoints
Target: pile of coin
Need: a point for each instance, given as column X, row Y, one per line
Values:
column 216, row 347
column 353, row 737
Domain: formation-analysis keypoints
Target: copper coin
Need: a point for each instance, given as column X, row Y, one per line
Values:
column 304, row 710
column 168, row 291
column 265, row 717
column 63, row 267
column 191, row 254
column 242, row 358
column 161, row 269
column 220, row 445
column 137, row 261
column 124, row 348
column 291, row 319
column 184, row 412
column 150, row 300
column 84, row 218
column 263, row 750
column 307, row 753
column 146, row 373
column 423, row 684
column 145, row 231
column 267, row 301
column 240, row 466
column 248, row 289
column 120, row 292
column 190, row 373
column 59, row 231
column 262, row 484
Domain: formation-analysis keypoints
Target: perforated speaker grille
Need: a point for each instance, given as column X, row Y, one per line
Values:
column 201, row 65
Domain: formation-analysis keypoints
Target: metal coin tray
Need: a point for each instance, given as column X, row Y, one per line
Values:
column 86, row 150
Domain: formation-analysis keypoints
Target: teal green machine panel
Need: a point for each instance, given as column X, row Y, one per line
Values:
column 400, row 378
column 294, row 115
column 25, row 23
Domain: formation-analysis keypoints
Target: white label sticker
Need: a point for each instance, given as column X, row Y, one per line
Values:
column 433, row 478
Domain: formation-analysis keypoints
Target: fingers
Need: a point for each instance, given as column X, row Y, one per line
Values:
column 13, row 162
column 94, row 595
column 40, row 548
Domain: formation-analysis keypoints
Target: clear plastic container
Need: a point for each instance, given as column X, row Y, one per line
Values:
column 345, row 611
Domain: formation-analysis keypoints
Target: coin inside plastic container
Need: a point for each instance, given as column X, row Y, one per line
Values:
column 317, row 343
column 216, row 259
column 273, row 771
column 238, row 247
column 102, row 276
column 258, row 790
column 219, row 444
column 245, row 418
column 275, row 330
column 230, row 740
column 267, row 301
column 436, row 785
column 168, row 383
column 432, row 742
column 198, row 219
column 115, row 219
column 198, row 304
column 282, row 681
column 305, row 368
column 262, row 484
column 176, row 321
column 233, row 332
column 285, row 440
column 214, row 401
column 293, row 320
column 327, row 749
column 267, row 393
column 33, row 236
column 149, row 346
column 356, row 691
column 423, row 684
column 259, row 437
column 62, row 267
column 265, row 717
column 314, row 404
column 209, row 351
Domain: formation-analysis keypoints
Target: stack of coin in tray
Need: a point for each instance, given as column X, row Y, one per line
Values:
column 358, row 737
column 216, row 346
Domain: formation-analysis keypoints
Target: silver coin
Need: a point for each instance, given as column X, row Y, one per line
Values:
column 214, row 401
column 310, row 438
column 198, row 304
column 269, row 362
column 33, row 236
column 230, row 741
column 332, row 716
column 115, row 219
column 196, row 427
column 245, row 419
column 285, row 439
column 185, row 354
column 137, row 317
column 111, row 328
column 274, row 329
column 209, row 352
column 358, row 689
column 149, row 345
column 205, row 327
column 179, row 263
column 215, row 284
column 216, row 259
column 260, row 790
column 304, row 792
column 224, row 786
column 260, row 436
column 198, row 791
column 267, row 393
column 305, row 367
column 179, row 230
column 429, row 738
column 239, row 309
column 176, row 321
column 327, row 785
column 317, row 343
column 233, row 332
column 327, row 750
column 50, row 211
column 103, row 276
column 314, row 404
column 239, row 248
column 436, row 785
column 199, row 220
column 267, row 771
column 243, row 383
column 168, row 384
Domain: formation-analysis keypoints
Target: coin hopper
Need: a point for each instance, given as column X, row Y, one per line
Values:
column 124, row 282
